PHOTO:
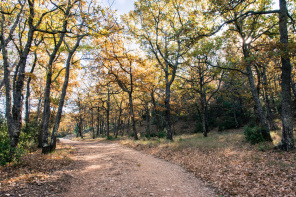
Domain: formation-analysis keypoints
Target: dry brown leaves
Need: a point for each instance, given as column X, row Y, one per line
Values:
column 237, row 170
column 37, row 174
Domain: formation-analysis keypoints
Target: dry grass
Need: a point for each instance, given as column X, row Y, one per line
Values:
column 228, row 163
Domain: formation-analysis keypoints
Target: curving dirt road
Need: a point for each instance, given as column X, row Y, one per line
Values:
column 109, row 169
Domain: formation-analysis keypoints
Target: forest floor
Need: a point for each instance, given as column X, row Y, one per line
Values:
column 102, row 168
column 227, row 162
column 37, row 174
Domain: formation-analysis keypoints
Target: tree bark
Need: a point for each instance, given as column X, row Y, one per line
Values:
column 259, row 108
column 267, row 101
column 63, row 95
column 10, row 123
column 92, row 123
column 234, row 113
column 287, row 142
column 14, row 114
column 46, row 111
column 147, row 121
column 132, row 114
column 27, row 104
column 167, row 106
column 119, row 124
column 293, row 87
column 128, row 125
column 107, row 112
column 98, row 121
column 102, row 127
column 203, row 114
column 156, row 111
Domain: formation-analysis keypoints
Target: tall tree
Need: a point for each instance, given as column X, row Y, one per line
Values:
column 249, row 27
column 121, row 66
column 287, row 142
column 33, row 19
column 167, row 30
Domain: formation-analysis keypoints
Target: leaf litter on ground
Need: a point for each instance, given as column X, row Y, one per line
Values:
column 228, row 163
column 37, row 174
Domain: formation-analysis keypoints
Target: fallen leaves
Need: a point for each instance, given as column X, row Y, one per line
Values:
column 36, row 174
column 236, row 169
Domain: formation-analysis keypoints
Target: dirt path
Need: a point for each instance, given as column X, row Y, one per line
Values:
column 109, row 169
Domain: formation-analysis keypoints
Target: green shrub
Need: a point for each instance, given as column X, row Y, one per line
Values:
column 10, row 155
column 153, row 135
column 131, row 134
column 253, row 134
column 148, row 136
column 221, row 127
column 27, row 143
column 198, row 128
column 161, row 134
column 143, row 135
column 31, row 133
column 184, row 126
column 227, row 123
column 4, row 145
column 109, row 137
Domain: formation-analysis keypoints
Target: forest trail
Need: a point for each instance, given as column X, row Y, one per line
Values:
column 109, row 169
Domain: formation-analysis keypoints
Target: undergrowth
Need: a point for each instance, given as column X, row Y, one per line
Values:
column 27, row 143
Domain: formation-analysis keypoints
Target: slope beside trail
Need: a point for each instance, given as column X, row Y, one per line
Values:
column 109, row 169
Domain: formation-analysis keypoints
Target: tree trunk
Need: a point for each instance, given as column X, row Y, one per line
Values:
column 46, row 111
column 14, row 114
column 38, row 110
column 156, row 111
column 293, row 87
column 128, row 125
column 63, row 95
column 168, row 109
column 119, row 119
column 132, row 115
column 265, row 131
column 52, row 57
column 80, row 127
column 203, row 115
column 40, row 133
column 98, row 121
column 102, row 128
column 27, row 104
column 92, row 123
column 148, row 121
column 122, row 128
column 108, row 111
column 287, row 142
column 267, row 101
column 13, row 136
column 234, row 113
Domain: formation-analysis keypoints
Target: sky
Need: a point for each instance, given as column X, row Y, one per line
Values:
column 122, row 6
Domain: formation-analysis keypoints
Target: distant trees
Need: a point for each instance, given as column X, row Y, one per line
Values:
column 121, row 66
column 203, row 78
column 163, row 28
